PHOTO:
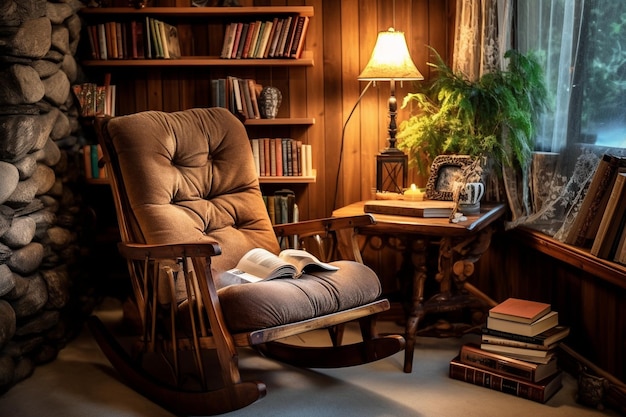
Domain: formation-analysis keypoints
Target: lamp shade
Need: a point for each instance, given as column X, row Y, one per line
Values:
column 390, row 59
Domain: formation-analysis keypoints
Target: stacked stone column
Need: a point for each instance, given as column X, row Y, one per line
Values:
column 40, row 210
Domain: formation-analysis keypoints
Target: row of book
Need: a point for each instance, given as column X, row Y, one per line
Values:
column 517, row 353
column 240, row 96
column 282, row 157
column 92, row 154
column 137, row 39
column 95, row 100
column 281, row 207
column 600, row 223
column 276, row 38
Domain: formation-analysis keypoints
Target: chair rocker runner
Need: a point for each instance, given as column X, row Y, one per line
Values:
column 189, row 207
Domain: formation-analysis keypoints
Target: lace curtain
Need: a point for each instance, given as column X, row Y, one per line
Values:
column 545, row 197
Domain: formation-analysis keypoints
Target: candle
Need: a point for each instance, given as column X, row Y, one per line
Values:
column 413, row 193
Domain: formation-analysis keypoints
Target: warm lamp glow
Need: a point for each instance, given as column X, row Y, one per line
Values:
column 390, row 59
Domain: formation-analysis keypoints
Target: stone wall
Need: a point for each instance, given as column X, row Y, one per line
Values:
column 42, row 289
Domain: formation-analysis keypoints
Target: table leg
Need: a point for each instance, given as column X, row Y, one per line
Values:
column 416, row 313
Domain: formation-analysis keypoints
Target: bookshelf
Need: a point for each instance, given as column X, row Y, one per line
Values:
column 177, row 84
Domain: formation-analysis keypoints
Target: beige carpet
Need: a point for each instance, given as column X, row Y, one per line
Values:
column 81, row 383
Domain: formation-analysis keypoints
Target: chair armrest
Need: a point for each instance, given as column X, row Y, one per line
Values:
column 342, row 230
column 328, row 224
column 139, row 251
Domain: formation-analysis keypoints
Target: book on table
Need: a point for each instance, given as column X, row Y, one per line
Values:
column 425, row 208
column 259, row 264
column 538, row 326
column 540, row 391
column 473, row 354
column 519, row 310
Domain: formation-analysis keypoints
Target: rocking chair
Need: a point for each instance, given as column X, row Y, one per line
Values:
column 189, row 207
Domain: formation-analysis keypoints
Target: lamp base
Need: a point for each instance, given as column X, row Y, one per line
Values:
column 392, row 151
column 391, row 170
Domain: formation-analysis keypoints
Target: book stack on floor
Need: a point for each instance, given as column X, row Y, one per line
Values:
column 517, row 351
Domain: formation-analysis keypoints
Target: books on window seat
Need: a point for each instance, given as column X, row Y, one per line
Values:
column 259, row 264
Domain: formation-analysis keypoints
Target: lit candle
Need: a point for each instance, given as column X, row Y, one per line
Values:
column 413, row 193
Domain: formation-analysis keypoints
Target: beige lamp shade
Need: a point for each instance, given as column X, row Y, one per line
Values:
column 390, row 59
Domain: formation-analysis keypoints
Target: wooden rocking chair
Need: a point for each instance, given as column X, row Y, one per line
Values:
column 189, row 206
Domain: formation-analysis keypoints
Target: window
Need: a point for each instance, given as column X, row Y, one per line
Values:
column 583, row 43
column 601, row 75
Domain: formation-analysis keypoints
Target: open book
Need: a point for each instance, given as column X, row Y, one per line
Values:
column 259, row 264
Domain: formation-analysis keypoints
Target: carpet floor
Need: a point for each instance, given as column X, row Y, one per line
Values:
column 81, row 382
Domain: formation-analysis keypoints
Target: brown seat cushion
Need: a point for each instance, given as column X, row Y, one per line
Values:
column 265, row 304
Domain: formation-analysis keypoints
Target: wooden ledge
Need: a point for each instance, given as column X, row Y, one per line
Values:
column 581, row 258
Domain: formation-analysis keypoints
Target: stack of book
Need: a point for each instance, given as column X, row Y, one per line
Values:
column 517, row 351
column 282, row 157
column 240, row 96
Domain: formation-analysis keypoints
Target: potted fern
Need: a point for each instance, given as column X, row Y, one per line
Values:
column 492, row 118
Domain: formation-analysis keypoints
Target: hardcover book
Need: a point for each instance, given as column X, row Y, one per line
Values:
column 545, row 338
column 536, row 355
column 492, row 361
column 523, row 311
column 604, row 245
column 526, row 329
column 536, row 391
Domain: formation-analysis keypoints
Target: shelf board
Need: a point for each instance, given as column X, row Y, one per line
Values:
column 201, row 61
column 200, row 11
column 287, row 180
column 281, row 121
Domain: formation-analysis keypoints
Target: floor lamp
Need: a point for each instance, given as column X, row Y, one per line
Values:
column 390, row 61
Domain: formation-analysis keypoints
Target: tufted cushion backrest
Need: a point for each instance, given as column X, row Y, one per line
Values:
column 189, row 176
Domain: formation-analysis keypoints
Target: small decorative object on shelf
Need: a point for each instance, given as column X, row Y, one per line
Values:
column 269, row 102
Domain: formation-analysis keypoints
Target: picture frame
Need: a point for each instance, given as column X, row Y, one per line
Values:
column 444, row 172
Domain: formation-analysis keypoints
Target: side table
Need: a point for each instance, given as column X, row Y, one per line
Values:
column 460, row 245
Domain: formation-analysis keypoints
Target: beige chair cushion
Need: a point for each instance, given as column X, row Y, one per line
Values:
column 190, row 177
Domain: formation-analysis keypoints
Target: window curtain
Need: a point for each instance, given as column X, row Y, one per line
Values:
column 564, row 164
column 547, row 194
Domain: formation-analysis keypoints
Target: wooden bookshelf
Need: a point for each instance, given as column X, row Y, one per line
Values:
column 175, row 84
